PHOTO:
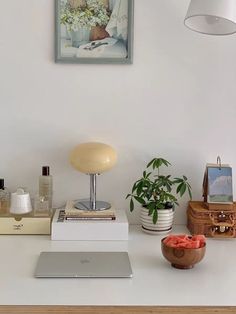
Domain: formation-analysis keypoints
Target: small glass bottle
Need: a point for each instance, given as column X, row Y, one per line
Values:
column 41, row 206
column 45, row 185
column 4, row 198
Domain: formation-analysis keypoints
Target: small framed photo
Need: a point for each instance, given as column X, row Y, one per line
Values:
column 94, row 31
column 220, row 187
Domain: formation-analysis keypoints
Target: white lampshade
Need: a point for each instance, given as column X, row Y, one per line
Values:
column 213, row 17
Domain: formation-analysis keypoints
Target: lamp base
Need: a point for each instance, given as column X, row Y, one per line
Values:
column 86, row 205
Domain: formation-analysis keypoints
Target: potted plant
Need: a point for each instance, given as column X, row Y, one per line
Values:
column 79, row 18
column 158, row 195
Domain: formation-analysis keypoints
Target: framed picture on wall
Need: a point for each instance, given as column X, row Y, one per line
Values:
column 94, row 31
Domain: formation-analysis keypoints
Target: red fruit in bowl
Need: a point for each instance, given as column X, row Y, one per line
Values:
column 183, row 251
column 185, row 241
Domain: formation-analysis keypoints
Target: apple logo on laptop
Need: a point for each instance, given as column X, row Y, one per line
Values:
column 84, row 261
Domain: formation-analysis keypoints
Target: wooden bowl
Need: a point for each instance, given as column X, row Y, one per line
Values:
column 182, row 258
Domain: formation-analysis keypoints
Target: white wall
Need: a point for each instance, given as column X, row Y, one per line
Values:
column 177, row 101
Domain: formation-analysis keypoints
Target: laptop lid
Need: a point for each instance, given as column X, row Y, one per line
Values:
column 83, row 265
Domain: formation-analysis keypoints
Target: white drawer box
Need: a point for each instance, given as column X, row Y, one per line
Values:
column 25, row 225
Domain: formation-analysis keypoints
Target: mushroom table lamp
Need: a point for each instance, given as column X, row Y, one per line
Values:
column 93, row 158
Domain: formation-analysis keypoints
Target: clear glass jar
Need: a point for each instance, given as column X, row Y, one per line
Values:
column 41, row 206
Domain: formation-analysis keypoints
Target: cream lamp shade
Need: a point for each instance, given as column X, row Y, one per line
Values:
column 213, row 17
column 93, row 158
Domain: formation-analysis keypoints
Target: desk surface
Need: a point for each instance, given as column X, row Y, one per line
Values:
column 155, row 282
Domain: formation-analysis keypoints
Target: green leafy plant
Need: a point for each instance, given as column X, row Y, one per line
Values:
column 155, row 191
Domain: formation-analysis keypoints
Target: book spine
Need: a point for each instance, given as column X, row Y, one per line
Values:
column 89, row 218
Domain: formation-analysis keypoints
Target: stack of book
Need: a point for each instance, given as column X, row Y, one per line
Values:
column 72, row 213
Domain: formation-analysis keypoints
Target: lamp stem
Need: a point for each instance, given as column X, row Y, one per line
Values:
column 92, row 203
column 93, row 191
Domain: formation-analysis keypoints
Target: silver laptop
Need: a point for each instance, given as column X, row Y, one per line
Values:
column 83, row 265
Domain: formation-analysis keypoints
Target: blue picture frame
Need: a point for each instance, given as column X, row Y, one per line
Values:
column 74, row 45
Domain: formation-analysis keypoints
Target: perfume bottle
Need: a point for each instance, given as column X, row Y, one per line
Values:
column 45, row 185
column 4, row 198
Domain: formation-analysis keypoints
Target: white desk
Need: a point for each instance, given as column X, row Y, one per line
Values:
column 155, row 283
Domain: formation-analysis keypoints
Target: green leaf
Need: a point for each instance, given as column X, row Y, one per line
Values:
column 157, row 163
column 150, row 207
column 144, row 174
column 151, row 162
column 189, row 192
column 134, row 187
column 185, row 178
column 131, row 205
column 139, row 188
column 150, row 211
column 168, row 187
column 127, row 196
column 155, row 217
column 166, row 162
column 179, row 187
column 140, row 200
column 182, row 190
column 178, row 180
column 160, row 206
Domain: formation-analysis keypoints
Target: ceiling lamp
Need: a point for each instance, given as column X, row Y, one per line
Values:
column 213, row 17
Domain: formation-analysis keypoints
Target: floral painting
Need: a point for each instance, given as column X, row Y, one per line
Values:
column 94, row 31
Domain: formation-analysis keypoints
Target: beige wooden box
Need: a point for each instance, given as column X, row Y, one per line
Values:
column 25, row 225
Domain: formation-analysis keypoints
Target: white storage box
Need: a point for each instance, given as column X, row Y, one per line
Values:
column 117, row 229
column 25, row 225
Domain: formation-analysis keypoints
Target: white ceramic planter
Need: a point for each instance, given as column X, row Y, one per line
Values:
column 164, row 222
